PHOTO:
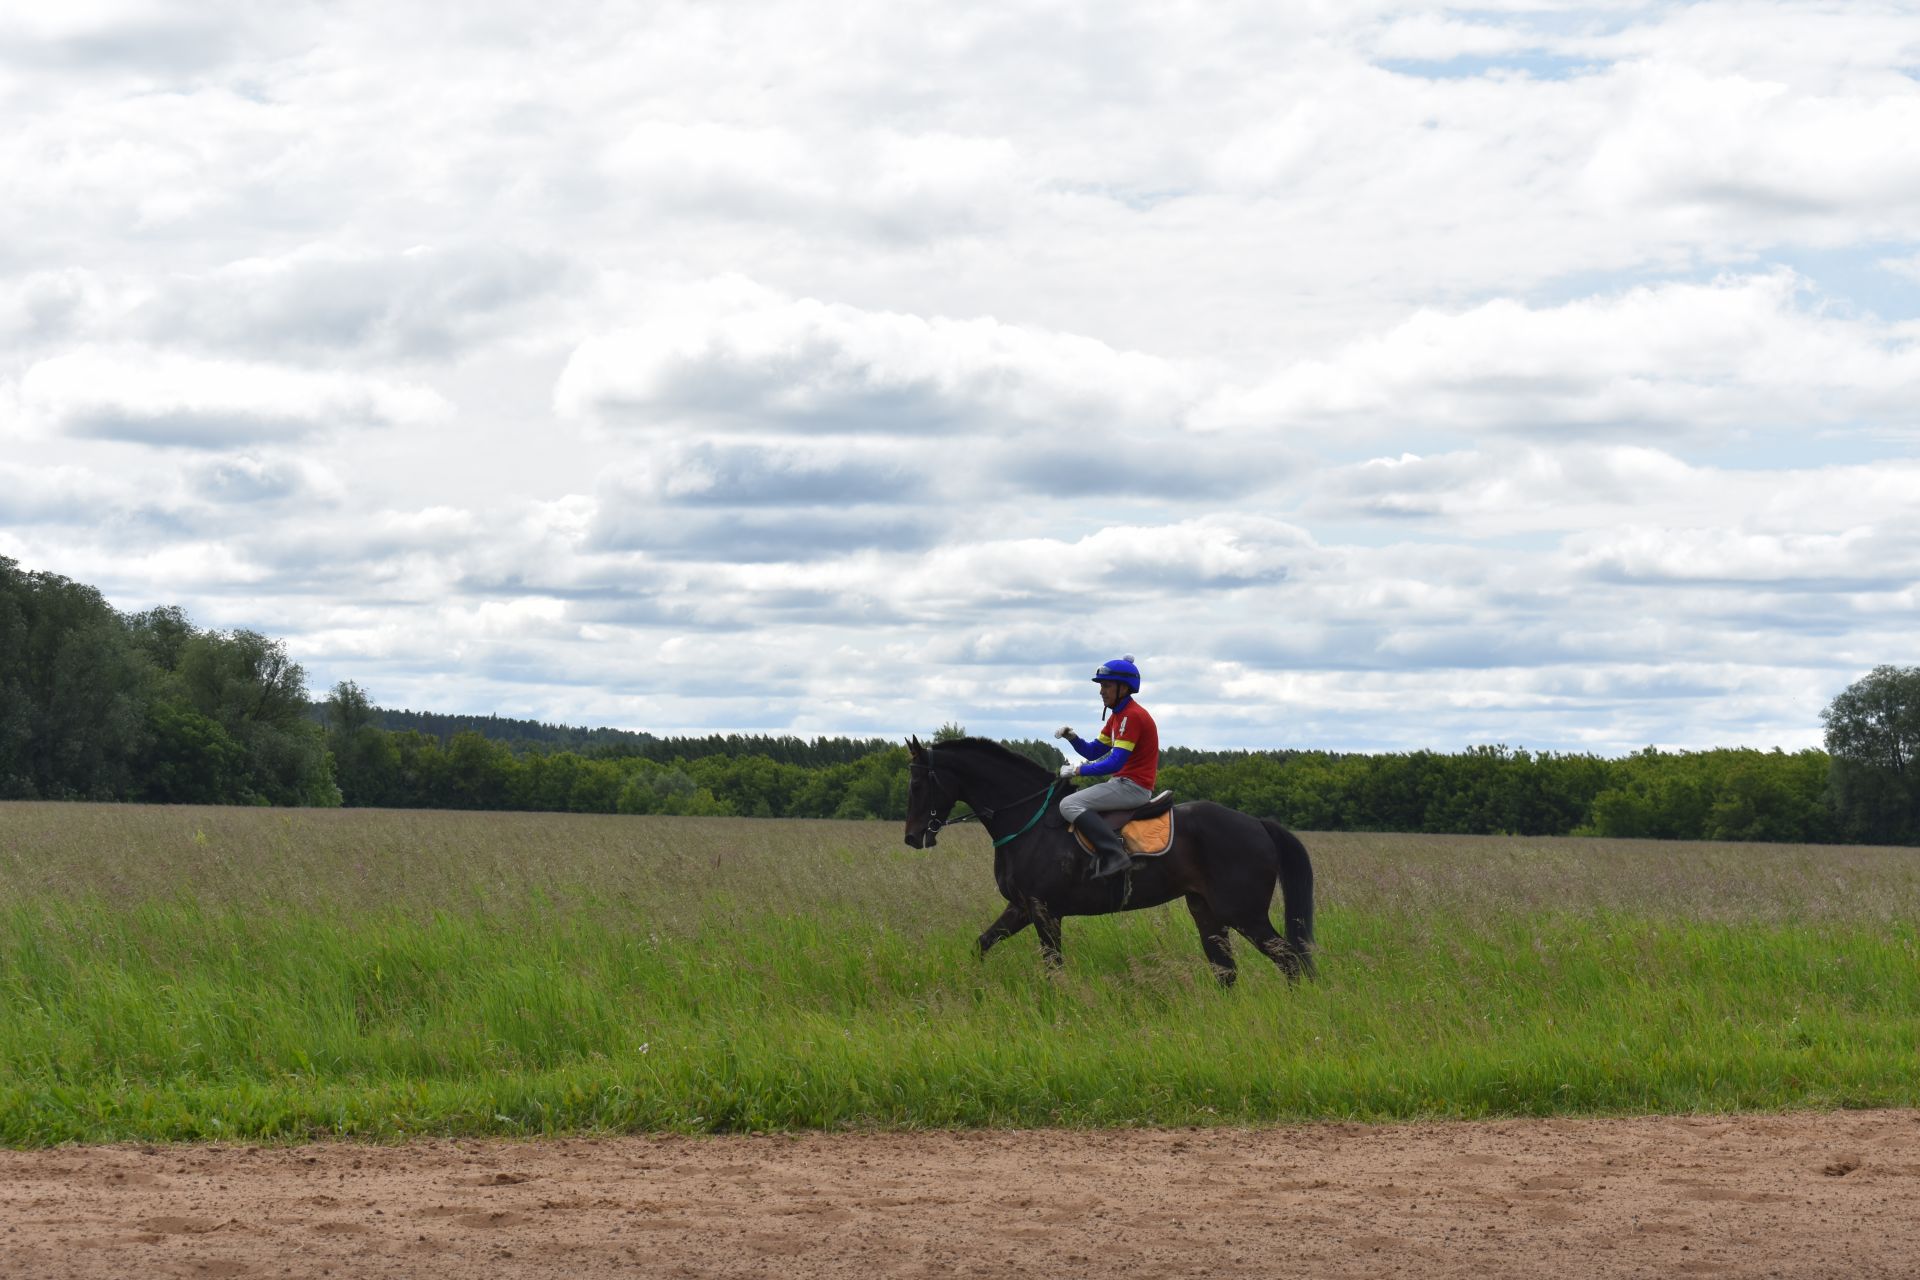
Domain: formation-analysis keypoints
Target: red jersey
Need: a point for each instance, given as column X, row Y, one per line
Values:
column 1131, row 729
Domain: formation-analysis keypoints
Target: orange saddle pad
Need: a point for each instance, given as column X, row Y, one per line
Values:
column 1144, row 837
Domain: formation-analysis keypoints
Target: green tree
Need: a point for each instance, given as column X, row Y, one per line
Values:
column 247, row 684
column 421, row 778
column 242, row 678
column 547, row 782
column 1873, row 737
column 1656, row 795
column 478, row 773
column 597, row 789
column 72, row 690
column 657, row 788
column 365, row 762
column 875, row 786
column 189, row 759
column 1771, row 796
column 161, row 634
column 348, row 708
column 752, row 786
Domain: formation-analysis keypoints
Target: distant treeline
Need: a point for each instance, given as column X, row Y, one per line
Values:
column 100, row 705
column 537, row 736
column 411, row 770
column 1705, row 795
column 1727, row 794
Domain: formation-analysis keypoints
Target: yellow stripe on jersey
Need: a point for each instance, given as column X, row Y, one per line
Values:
column 1124, row 745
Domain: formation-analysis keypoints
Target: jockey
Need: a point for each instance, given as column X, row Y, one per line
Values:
column 1127, row 755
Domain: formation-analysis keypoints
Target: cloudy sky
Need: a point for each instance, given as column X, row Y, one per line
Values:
column 1381, row 375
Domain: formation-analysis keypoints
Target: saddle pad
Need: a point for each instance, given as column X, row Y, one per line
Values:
column 1149, row 837
column 1144, row 837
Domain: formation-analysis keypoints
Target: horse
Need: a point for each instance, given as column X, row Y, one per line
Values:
column 1223, row 861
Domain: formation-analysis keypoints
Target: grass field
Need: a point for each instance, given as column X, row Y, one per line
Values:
column 199, row 973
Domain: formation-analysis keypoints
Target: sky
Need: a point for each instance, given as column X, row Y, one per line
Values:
column 1380, row 376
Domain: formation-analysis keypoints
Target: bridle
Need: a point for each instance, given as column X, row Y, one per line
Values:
column 934, row 821
column 977, row 812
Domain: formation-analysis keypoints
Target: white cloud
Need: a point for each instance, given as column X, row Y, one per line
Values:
column 865, row 182
column 1530, row 488
column 424, row 301
column 67, row 495
column 1907, row 268
column 1692, row 139
column 44, row 306
column 963, row 582
column 162, row 502
column 250, row 478
column 743, row 358
column 1852, row 559
column 1816, row 48
column 728, row 473
column 159, row 398
column 1742, row 353
column 1437, row 37
column 1548, row 489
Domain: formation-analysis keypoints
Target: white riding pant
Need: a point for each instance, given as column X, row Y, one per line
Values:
column 1114, row 793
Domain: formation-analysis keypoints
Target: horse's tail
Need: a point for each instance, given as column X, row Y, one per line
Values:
column 1296, row 891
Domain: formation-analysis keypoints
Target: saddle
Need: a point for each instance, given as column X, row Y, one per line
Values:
column 1147, row 831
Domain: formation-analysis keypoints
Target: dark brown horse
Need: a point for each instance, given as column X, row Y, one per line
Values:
column 1224, row 862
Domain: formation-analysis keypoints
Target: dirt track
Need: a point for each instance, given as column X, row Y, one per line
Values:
column 1798, row 1196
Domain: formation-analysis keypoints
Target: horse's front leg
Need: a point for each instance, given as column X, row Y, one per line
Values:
column 1015, row 918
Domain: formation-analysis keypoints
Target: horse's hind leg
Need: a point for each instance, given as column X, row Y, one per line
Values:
column 1261, row 933
column 1047, row 925
column 1213, row 939
column 1011, row 921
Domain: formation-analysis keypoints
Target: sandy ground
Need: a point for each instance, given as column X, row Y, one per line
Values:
column 1797, row 1196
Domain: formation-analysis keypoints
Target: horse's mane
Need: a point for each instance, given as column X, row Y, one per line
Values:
column 989, row 749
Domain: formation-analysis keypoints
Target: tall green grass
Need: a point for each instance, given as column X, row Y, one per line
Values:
column 223, row 973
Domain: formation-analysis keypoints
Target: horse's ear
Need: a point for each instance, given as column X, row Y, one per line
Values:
column 913, row 745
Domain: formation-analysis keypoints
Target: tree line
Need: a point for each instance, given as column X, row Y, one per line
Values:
column 733, row 774
column 539, row 736
column 100, row 705
column 1724, row 794
column 96, row 704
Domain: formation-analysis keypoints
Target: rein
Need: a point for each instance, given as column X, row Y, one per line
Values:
column 1036, row 814
column 979, row 811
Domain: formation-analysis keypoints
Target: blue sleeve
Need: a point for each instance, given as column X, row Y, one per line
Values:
column 1112, row 762
column 1087, row 750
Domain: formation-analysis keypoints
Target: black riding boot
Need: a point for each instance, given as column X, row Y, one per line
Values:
column 1109, row 853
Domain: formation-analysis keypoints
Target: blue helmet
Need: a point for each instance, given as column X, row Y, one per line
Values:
column 1121, row 669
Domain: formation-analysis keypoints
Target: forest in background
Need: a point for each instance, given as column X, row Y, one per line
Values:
column 100, row 705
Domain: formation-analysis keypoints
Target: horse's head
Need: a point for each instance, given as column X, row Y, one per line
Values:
column 930, row 797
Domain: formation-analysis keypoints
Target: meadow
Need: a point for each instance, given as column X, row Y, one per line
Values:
column 191, row 973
